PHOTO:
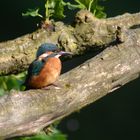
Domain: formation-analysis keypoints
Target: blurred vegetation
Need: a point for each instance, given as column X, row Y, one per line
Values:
column 55, row 135
column 55, row 9
column 10, row 82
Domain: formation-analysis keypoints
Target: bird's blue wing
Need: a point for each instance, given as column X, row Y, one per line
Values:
column 35, row 67
column 33, row 70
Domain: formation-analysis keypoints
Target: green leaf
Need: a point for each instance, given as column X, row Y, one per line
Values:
column 55, row 8
column 92, row 6
column 43, row 136
column 84, row 3
column 2, row 91
column 99, row 12
column 33, row 13
column 74, row 6
column 59, row 9
column 12, row 82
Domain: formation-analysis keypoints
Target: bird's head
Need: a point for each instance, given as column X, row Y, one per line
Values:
column 47, row 55
column 46, row 48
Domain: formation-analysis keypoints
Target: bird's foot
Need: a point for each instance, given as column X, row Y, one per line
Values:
column 56, row 86
column 52, row 86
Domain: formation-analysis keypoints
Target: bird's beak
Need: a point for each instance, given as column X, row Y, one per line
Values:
column 65, row 53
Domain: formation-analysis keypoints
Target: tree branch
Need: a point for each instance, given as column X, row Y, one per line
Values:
column 89, row 32
column 28, row 112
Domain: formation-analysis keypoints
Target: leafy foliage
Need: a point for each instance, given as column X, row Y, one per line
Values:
column 90, row 5
column 57, row 135
column 55, row 8
column 33, row 13
column 96, row 9
column 11, row 82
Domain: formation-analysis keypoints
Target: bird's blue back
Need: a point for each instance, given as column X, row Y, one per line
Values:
column 35, row 67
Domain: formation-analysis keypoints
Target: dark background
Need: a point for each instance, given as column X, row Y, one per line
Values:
column 116, row 116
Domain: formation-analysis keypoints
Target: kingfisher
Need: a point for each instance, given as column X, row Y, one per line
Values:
column 45, row 69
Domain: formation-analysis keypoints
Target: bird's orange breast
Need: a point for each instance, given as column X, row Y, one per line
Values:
column 48, row 75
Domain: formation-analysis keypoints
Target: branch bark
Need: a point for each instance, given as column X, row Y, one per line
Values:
column 28, row 112
column 89, row 32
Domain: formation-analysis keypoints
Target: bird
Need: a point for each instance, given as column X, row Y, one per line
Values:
column 44, row 70
column 47, row 47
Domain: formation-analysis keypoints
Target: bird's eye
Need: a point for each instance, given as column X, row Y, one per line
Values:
column 43, row 60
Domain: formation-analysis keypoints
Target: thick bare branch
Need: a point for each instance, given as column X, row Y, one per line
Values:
column 89, row 31
column 24, row 113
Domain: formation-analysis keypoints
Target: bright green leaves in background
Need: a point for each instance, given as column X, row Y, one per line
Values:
column 54, row 136
column 96, row 9
column 8, row 83
column 55, row 8
column 33, row 13
column 90, row 5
